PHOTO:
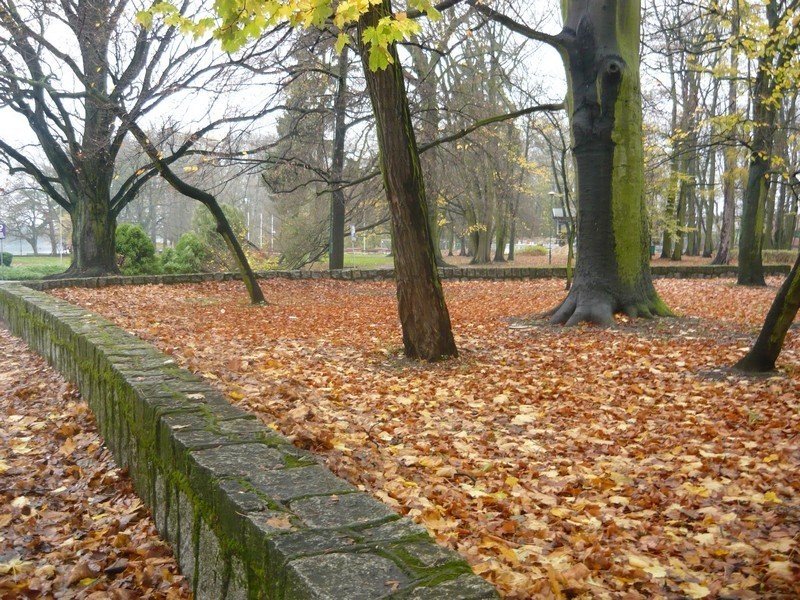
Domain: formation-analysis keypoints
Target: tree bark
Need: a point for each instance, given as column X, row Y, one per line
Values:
column 765, row 351
column 424, row 65
column 424, row 318
column 337, row 235
column 769, row 73
column 93, row 228
column 729, row 156
column 751, row 236
column 210, row 202
column 612, row 273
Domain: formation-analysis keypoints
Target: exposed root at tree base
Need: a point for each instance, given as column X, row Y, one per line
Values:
column 600, row 307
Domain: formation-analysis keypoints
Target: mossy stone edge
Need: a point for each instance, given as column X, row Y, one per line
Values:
column 247, row 514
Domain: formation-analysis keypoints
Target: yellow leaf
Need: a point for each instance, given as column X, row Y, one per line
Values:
column 771, row 458
column 772, row 497
column 638, row 562
column 782, row 569
column 67, row 448
column 279, row 522
column 656, row 571
column 695, row 590
column 14, row 566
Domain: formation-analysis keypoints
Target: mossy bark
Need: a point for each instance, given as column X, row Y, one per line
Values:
column 600, row 48
column 424, row 318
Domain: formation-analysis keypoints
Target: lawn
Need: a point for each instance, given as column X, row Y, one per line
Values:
column 34, row 267
column 583, row 462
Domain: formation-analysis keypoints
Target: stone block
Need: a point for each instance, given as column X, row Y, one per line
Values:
column 289, row 484
column 339, row 511
column 464, row 587
column 343, row 576
column 211, row 569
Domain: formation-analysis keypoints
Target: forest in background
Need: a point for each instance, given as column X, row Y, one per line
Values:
column 308, row 141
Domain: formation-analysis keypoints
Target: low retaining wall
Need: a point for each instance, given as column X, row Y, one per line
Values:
column 445, row 273
column 248, row 514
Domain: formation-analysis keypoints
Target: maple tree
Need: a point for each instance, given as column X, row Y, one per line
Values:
column 71, row 525
column 427, row 332
column 590, row 462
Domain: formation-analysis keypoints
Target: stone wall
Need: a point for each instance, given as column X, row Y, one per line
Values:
column 446, row 273
column 248, row 514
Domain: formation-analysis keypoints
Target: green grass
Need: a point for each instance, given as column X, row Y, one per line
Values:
column 361, row 261
column 34, row 267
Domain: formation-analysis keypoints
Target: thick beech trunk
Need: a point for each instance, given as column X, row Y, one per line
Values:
column 93, row 228
column 765, row 351
column 423, row 313
column 601, row 55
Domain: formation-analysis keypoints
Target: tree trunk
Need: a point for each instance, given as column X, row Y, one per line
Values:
column 210, row 202
column 337, row 235
column 708, row 239
column 680, row 217
column 723, row 256
column 512, row 230
column 424, row 65
column 751, row 237
column 769, row 217
column 602, row 58
column 771, row 64
column 501, row 229
column 93, row 228
column 765, row 351
column 729, row 154
column 424, row 318
column 669, row 209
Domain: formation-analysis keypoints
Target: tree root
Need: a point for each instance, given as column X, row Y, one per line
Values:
column 600, row 307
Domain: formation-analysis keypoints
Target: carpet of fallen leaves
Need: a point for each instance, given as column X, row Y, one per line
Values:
column 70, row 524
column 582, row 462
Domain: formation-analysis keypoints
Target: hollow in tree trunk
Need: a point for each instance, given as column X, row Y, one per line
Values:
column 600, row 48
column 424, row 318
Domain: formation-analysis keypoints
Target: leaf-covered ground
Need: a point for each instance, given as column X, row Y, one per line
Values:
column 70, row 523
column 582, row 462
